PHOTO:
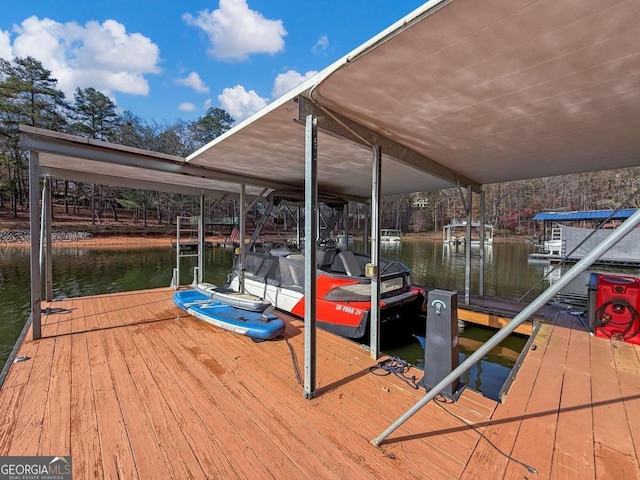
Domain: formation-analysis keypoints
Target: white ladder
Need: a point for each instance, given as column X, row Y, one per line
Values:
column 190, row 227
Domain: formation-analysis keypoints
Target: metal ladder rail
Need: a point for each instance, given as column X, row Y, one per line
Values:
column 180, row 230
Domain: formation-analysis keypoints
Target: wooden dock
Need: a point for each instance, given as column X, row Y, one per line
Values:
column 495, row 312
column 131, row 387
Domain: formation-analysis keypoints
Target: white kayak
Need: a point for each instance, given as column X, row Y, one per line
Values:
column 244, row 301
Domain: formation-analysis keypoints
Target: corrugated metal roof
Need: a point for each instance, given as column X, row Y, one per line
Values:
column 579, row 215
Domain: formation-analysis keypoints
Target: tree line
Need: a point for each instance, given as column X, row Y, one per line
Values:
column 29, row 96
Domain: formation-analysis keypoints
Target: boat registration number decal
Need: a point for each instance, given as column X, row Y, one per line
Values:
column 348, row 309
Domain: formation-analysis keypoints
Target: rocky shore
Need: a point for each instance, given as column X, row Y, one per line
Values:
column 15, row 238
column 20, row 236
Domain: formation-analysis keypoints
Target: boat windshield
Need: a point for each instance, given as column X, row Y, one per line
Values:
column 288, row 271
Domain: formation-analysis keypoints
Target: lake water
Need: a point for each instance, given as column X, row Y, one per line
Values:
column 80, row 272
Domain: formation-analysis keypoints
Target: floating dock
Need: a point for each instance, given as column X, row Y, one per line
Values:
column 191, row 245
column 495, row 312
column 132, row 387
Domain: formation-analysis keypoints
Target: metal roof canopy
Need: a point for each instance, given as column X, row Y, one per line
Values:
column 460, row 93
column 456, row 93
column 581, row 215
column 80, row 159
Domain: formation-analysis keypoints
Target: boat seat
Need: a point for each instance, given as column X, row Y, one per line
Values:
column 325, row 256
column 350, row 263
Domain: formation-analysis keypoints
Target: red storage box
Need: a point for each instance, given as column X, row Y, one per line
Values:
column 617, row 307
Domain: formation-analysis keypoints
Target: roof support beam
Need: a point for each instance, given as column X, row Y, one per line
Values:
column 336, row 124
column 72, row 146
column 124, row 182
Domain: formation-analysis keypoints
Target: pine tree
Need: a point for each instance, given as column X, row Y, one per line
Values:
column 28, row 95
column 95, row 114
column 211, row 125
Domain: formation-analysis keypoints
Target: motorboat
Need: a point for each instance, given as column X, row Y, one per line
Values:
column 275, row 272
column 343, row 292
column 390, row 235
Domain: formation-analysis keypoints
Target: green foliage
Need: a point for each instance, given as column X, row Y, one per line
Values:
column 210, row 126
column 94, row 114
column 28, row 95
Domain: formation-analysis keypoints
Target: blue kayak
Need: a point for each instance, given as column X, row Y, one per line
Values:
column 256, row 325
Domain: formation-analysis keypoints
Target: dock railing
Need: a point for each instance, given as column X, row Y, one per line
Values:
column 619, row 233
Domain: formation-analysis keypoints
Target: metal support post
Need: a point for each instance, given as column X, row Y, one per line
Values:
column 310, row 235
column 34, row 216
column 43, row 229
column 48, row 256
column 177, row 270
column 201, row 242
column 467, row 247
column 376, row 220
column 482, row 239
column 242, row 237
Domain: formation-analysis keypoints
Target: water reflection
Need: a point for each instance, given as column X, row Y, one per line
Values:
column 450, row 252
column 432, row 263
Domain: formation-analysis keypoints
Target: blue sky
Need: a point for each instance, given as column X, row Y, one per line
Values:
column 166, row 60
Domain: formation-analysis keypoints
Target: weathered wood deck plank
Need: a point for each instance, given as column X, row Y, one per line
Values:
column 541, row 413
column 144, row 390
column 573, row 455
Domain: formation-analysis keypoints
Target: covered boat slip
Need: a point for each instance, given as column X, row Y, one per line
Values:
column 569, row 235
column 457, row 94
column 131, row 387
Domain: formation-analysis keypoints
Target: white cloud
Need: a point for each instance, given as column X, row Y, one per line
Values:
column 103, row 56
column 321, row 45
column 186, row 107
column 5, row 45
column 235, row 31
column 239, row 103
column 288, row 80
column 193, row 81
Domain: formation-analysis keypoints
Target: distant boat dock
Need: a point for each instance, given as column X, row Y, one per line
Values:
column 455, row 233
column 562, row 242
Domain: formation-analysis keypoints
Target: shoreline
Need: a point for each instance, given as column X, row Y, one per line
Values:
column 109, row 241
column 142, row 241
